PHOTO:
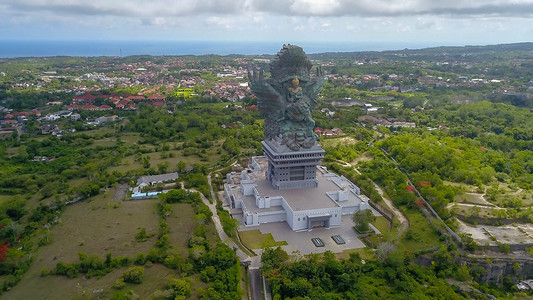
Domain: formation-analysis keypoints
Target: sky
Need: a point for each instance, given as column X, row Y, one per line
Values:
column 403, row 23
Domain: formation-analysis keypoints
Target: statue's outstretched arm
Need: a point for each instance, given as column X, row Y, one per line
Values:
column 314, row 86
column 269, row 99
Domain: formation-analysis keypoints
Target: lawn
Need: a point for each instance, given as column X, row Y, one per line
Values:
column 254, row 239
column 382, row 224
column 421, row 234
column 464, row 186
column 365, row 253
column 473, row 211
column 100, row 131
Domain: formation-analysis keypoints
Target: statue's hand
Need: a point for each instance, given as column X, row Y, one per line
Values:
column 319, row 73
column 269, row 99
column 313, row 86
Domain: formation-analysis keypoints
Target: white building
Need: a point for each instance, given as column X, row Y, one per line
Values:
column 254, row 200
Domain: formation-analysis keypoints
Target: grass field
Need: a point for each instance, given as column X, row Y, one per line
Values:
column 332, row 142
column 181, row 225
column 101, row 225
column 473, row 198
column 129, row 163
column 130, row 138
column 107, row 142
column 254, row 239
column 474, row 211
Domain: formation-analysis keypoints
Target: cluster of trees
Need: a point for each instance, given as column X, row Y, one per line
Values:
column 322, row 276
column 220, row 269
column 217, row 265
column 90, row 265
column 445, row 155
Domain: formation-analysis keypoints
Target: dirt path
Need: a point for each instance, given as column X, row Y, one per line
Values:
column 452, row 204
column 404, row 221
column 120, row 192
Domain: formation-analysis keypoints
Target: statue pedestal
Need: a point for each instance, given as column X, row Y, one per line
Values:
column 289, row 169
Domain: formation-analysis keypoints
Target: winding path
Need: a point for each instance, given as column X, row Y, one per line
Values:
column 404, row 221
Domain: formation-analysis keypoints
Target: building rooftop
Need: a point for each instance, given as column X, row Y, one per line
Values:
column 299, row 199
column 157, row 178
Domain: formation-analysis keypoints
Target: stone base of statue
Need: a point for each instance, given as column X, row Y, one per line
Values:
column 289, row 169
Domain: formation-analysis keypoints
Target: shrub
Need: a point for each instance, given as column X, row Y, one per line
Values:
column 134, row 275
column 119, row 283
column 141, row 236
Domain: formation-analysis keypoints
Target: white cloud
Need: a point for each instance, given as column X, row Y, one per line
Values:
column 286, row 20
column 360, row 8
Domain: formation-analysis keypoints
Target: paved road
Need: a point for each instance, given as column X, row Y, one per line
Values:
column 255, row 283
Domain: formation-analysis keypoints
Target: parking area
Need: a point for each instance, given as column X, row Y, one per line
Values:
column 302, row 241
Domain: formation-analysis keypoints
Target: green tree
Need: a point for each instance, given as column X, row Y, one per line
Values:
column 362, row 219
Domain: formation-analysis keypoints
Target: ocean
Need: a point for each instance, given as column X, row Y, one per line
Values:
column 44, row 48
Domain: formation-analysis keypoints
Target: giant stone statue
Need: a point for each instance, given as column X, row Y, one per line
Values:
column 287, row 98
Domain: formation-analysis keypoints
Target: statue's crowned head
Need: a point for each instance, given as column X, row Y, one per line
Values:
column 295, row 81
column 290, row 62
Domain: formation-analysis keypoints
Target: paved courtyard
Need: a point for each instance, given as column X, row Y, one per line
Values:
column 301, row 241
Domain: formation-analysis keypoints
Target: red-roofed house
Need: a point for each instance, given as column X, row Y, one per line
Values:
column 105, row 107
column 8, row 116
column 73, row 107
column 115, row 99
column 327, row 132
column 35, row 112
column 156, row 97
column 136, row 98
column 84, row 99
column 89, row 107
column 9, row 122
